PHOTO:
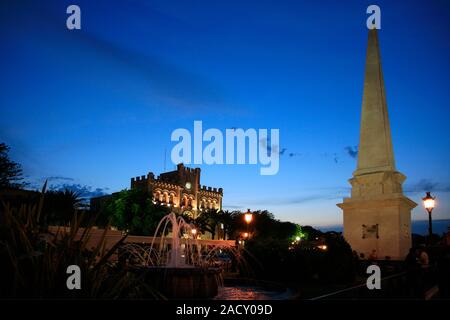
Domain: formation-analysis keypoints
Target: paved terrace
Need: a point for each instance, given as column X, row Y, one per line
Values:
column 113, row 236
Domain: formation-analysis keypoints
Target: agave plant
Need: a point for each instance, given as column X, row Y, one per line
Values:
column 34, row 260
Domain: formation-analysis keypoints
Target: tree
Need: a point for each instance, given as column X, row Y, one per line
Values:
column 226, row 217
column 60, row 206
column 263, row 226
column 10, row 171
column 208, row 221
column 133, row 210
column 310, row 233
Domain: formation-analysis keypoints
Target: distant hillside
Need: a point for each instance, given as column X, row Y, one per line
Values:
column 418, row 227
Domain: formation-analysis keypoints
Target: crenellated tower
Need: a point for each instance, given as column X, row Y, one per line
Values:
column 181, row 190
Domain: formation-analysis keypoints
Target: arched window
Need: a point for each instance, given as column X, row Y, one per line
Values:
column 157, row 196
column 203, row 203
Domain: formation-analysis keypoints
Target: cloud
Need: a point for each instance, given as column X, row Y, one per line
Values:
column 37, row 183
column 56, row 178
column 308, row 198
column 331, row 193
column 328, row 155
column 278, row 149
column 352, row 151
column 232, row 207
column 424, row 185
column 61, row 183
column 84, row 190
column 148, row 75
column 167, row 82
column 265, row 144
column 335, row 158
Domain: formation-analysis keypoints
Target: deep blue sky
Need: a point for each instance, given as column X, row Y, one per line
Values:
column 97, row 106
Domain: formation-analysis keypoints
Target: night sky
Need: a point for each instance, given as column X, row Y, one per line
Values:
column 91, row 108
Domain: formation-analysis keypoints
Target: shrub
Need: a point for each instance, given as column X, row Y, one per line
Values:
column 33, row 260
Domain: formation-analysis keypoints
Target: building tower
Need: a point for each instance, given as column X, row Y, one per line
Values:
column 377, row 216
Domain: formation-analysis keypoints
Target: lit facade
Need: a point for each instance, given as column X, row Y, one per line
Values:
column 181, row 190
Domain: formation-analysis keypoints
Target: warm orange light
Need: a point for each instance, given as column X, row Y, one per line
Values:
column 429, row 202
column 322, row 247
column 194, row 231
column 248, row 216
column 245, row 234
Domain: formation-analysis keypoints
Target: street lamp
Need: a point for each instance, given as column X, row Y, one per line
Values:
column 194, row 232
column 429, row 203
column 248, row 217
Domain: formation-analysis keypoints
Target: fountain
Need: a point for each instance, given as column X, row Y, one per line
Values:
column 177, row 253
column 174, row 264
column 177, row 266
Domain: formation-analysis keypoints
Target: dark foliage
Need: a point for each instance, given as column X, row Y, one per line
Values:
column 10, row 171
column 263, row 226
column 60, row 206
column 211, row 220
column 279, row 260
column 133, row 211
column 34, row 260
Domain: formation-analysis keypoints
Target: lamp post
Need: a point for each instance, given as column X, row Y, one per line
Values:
column 248, row 217
column 429, row 203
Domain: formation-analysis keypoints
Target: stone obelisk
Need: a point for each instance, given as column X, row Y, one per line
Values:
column 377, row 216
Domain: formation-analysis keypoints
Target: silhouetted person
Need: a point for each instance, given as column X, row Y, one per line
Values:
column 411, row 259
column 412, row 267
column 423, row 259
column 426, row 275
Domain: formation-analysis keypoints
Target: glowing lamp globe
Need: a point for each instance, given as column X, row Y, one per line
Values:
column 248, row 216
column 429, row 202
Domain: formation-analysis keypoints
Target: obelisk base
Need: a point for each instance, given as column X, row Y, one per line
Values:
column 380, row 227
